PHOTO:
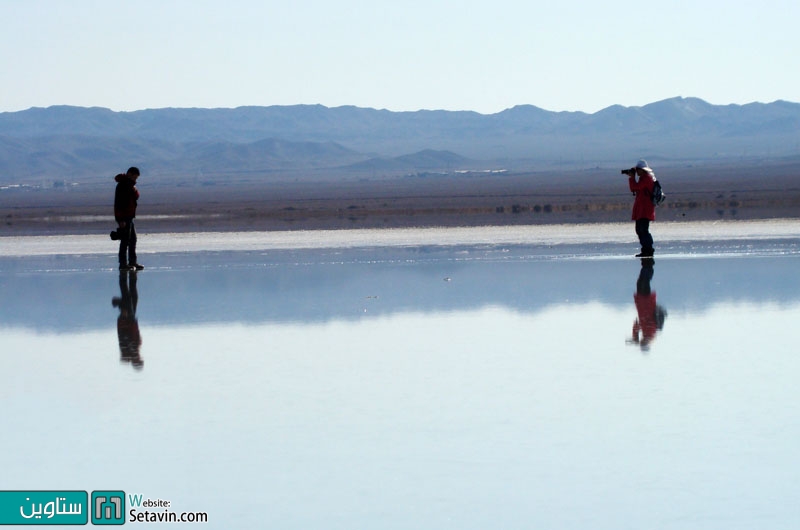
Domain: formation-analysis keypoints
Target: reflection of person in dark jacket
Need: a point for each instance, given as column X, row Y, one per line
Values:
column 130, row 341
column 651, row 316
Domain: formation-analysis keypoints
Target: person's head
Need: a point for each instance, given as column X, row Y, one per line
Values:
column 643, row 169
column 133, row 173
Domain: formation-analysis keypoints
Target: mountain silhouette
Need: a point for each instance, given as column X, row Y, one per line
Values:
column 89, row 143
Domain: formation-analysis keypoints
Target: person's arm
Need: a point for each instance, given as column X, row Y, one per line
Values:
column 118, row 201
column 634, row 186
column 643, row 184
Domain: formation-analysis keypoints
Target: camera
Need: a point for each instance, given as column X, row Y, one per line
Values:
column 115, row 235
column 630, row 172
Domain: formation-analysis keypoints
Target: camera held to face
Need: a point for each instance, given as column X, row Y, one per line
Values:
column 630, row 172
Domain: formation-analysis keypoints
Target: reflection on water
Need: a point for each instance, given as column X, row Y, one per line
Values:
column 130, row 340
column 363, row 390
column 651, row 316
column 327, row 286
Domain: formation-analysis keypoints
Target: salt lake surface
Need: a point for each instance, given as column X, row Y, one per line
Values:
column 486, row 382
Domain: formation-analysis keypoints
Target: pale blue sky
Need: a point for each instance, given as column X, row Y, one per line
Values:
column 484, row 56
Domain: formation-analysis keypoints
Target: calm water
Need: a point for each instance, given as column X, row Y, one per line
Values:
column 426, row 387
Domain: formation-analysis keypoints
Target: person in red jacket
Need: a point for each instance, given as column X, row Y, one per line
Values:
column 644, row 210
column 125, row 200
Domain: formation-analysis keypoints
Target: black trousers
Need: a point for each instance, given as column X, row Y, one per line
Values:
column 645, row 276
column 645, row 238
column 127, row 244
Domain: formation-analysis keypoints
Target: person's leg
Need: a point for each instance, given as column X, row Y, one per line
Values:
column 124, row 236
column 125, row 292
column 639, row 233
column 648, row 239
column 134, row 293
column 645, row 276
column 123, row 253
column 132, row 244
column 645, row 238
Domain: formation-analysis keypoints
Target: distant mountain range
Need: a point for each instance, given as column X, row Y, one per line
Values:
column 84, row 144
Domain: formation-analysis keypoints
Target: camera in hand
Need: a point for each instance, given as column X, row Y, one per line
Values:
column 630, row 172
column 115, row 236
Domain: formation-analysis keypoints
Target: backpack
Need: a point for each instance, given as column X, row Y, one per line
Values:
column 658, row 197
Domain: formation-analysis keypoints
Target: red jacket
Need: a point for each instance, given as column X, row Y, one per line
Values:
column 643, row 207
column 646, row 324
column 125, row 198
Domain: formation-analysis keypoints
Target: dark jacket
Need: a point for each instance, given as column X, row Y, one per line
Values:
column 125, row 198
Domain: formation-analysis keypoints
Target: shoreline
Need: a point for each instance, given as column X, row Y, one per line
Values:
column 578, row 235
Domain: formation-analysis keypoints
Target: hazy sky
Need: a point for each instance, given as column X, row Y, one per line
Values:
column 484, row 56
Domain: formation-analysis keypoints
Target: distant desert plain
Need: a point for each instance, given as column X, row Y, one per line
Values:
column 697, row 191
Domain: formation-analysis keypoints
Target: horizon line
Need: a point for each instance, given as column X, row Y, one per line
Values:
column 674, row 98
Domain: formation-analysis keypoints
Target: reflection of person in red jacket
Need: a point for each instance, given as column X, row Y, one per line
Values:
column 651, row 316
column 130, row 340
column 644, row 210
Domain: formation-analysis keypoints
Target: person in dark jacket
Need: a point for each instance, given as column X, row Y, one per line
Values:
column 644, row 210
column 125, row 200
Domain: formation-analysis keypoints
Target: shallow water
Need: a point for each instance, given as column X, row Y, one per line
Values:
column 464, row 386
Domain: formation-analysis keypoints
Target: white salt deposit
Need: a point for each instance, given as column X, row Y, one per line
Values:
column 546, row 235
